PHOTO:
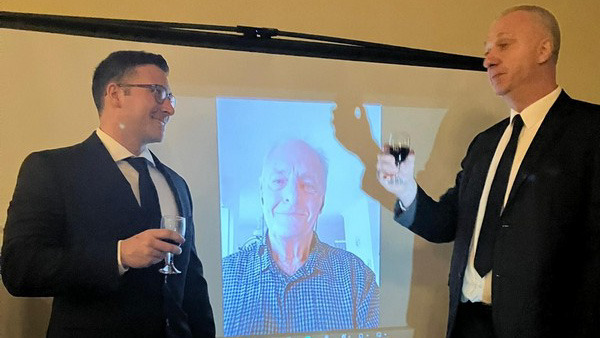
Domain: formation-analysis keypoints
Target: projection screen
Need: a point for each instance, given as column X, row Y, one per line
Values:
column 232, row 108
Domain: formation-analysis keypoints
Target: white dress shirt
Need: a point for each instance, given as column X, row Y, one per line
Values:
column 166, row 198
column 475, row 288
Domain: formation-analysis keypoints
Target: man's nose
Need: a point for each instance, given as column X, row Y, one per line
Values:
column 291, row 190
column 167, row 107
column 490, row 59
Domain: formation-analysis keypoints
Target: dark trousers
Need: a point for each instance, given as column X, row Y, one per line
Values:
column 473, row 320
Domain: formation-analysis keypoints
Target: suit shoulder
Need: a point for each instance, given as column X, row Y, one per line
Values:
column 48, row 156
column 581, row 117
column 63, row 151
column 588, row 113
column 585, row 106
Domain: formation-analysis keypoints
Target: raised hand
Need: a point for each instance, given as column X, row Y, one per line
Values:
column 398, row 179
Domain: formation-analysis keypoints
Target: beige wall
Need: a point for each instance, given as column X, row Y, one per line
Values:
column 456, row 27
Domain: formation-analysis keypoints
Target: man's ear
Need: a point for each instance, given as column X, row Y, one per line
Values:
column 545, row 51
column 260, row 192
column 112, row 96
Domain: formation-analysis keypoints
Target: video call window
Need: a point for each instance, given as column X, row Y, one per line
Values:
column 338, row 286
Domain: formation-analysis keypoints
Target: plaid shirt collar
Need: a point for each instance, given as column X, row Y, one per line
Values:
column 312, row 264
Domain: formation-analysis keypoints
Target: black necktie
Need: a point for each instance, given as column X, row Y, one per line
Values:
column 485, row 247
column 148, row 195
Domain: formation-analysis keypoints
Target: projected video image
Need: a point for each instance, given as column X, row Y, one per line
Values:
column 300, row 239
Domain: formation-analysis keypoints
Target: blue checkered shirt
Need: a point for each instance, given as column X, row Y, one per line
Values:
column 333, row 290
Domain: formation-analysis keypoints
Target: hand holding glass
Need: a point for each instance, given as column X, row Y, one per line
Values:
column 398, row 146
column 177, row 224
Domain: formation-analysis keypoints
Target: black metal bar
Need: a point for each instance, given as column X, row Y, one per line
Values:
column 249, row 39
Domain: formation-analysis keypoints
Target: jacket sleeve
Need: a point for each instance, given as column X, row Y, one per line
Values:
column 436, row 221
column 38, row 256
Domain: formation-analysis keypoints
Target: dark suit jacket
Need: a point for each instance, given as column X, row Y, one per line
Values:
column 546, row 266
column 69, row 209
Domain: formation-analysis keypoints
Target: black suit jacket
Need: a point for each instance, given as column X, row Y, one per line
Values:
column 546, row 266
column 69, row 209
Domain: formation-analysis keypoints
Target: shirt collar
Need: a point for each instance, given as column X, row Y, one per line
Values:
column 117, row 151
column 311, row 265
column 535, row 113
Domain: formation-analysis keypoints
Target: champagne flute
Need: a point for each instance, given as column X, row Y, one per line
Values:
column 177, row 224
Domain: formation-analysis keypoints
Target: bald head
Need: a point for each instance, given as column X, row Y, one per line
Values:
column 546, row 20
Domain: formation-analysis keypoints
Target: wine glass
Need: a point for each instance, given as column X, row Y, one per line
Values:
column 398, row 145
column 177, row 224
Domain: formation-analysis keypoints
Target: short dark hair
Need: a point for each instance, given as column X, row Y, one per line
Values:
column 119, row 64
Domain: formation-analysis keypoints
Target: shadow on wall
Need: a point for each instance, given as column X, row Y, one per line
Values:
column 354, row 133
column 428, row 302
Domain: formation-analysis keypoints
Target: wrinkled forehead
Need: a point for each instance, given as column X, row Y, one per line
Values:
column 294, row 157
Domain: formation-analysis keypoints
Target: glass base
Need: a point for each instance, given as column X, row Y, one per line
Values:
column 169, row 269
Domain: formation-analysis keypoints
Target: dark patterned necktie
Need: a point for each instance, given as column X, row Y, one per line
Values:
column 148, row 195
column 485, row 247
column 176, row 326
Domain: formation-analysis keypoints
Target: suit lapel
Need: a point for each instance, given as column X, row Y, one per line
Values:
column 172, row 288
column 107, row 171
column 112, row 184
column 177, row 191
column 473, row 188
column 550, row 129
column 484, row 158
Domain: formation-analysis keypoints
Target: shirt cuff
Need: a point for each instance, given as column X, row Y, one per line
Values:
column 405, row 215
column 122, row 269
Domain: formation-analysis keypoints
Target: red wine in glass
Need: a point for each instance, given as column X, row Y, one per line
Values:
column 177, row 224
column 169, row 241
column 399, row 153
column 399, row 145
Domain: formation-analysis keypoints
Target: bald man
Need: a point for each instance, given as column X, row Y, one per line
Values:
column 524, row 214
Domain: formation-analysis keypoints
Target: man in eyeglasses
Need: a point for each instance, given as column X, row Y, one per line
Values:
column 84, row 222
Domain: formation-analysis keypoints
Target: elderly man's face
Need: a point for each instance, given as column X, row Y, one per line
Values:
column 292, row 190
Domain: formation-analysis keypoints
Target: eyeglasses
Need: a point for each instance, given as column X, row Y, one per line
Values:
column 160, row 92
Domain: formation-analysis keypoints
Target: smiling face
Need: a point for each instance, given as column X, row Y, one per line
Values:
column 132, row 115
column 142, row 117
column 292, row 190
column 517, row 51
